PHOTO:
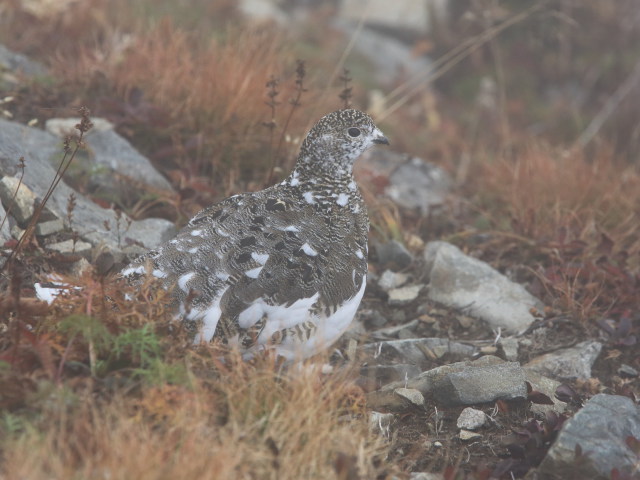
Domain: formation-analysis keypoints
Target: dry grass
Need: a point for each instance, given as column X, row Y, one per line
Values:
column 576, row 218
column 543, row 191
column 160, row 409
column 252, row 423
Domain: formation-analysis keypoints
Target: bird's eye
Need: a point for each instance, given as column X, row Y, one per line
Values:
column 354, row 132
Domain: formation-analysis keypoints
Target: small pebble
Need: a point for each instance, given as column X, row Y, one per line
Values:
column 467, row 435
column 627, row 371
column 471, row 419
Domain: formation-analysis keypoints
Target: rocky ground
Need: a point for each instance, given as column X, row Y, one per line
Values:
column 468, row 369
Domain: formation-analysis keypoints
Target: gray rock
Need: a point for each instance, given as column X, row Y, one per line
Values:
column 627, row 371
column 5, row 230
column 375, row 319
column 396, row 331
column 17, row 62
column 404, row 295
column 68, row 247
column 48, row 228
column 110, row 158
column 418, row 185
column 395, row 254
column 412, row 395
column 19, row 200
column 416, row 350
column 117, row 155
column 479, row 384
column 466, row 283
column 38, row 147
column 471, row 419
column 390, row 280
column 568, row 363
column 413, row 182
column 464, row 383
column 601, row 428
column 17, row 232
column 510, row 348
column 547, row 386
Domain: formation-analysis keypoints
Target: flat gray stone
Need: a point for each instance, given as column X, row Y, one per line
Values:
column 395, row 254
column 419, row 185
column 413, row 183
column 404, row 295
column 416, row 350
column 412, row 395
column 5, row 231
column 17, row 62
column 481, row 384
column 18, row 198
column 464, row 383
column 568, row 363
column 473, row 286
column 39, row 148
column 48, row 228
column 109, row 160
column 116, row 154
column 601, row 428
column 69, row 248
column 547, row 386
column 390, row 280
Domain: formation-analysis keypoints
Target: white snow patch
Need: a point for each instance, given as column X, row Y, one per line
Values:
column 359, row 254
column 196, row 233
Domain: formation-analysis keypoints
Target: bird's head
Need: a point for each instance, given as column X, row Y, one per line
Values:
column 340, row 138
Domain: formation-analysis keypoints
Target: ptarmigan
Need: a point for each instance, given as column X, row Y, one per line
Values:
column 283, row 268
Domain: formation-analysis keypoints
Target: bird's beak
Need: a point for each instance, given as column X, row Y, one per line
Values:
column 380, row 139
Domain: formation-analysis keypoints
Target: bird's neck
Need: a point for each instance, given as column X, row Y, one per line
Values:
column 322, row 172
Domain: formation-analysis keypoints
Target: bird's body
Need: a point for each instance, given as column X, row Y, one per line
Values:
column 282, row 268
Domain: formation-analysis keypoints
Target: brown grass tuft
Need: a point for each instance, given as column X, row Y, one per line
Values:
column 576, row 217
column 111, row 388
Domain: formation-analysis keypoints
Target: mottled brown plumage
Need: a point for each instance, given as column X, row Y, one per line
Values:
column 284, row 267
